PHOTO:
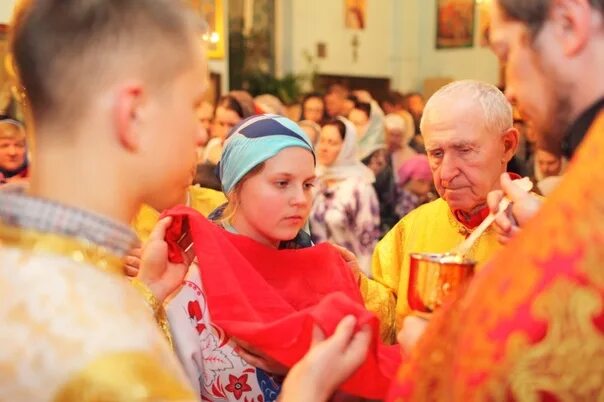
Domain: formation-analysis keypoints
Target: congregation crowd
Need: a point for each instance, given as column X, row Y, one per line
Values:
column 156, row 246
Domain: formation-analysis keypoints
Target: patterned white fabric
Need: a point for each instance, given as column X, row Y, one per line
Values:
column 208, row 355
column 58, row 316
column 347, row 214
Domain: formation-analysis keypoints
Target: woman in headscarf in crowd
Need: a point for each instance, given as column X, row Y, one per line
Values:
column 13, row 151
column 313, row 108
column 384, row 186
column 230, row 110
column 346, row 209
column 368, row 119
column 267, row 171
column 398, row 138
column 415, row 185
column 312, row 130
column 376, row 158
column 375, row 153
column 359, row 116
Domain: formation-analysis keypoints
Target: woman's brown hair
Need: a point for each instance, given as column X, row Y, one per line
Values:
column 234, row 196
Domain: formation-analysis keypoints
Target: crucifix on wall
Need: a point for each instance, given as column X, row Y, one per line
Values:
column 355, row 47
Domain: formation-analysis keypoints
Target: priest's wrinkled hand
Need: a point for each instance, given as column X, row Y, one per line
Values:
column 328, row 363
column 524, row 207
column 413, row 328
column 350, row 259
column 161, row 276
column 257, row 358
column 133, row 261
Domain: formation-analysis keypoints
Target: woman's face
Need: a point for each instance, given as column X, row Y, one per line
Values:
column 360, row 120
column 394, row 138
column 274, row 204
column 224, row 120
column 419, row 187
column 205, row 113
column 378, row 161
column 12, row 153
column 329, row 146
column 313, row 109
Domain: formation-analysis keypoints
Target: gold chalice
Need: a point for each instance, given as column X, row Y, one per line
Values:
column 434, row 277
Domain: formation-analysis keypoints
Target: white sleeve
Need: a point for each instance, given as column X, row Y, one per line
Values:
column 184, row 312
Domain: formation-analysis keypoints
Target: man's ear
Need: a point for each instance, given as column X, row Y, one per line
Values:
column 510, row 139
column 128, row 114
column 572, row 21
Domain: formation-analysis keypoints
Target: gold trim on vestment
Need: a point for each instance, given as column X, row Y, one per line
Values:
column 81, row 251
column 78, row 250
column 124, row 377
column 159, row 312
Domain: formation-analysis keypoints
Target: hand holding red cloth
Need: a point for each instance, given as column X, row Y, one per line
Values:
column 273, row 298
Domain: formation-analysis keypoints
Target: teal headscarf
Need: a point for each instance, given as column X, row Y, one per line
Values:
column 255, row 140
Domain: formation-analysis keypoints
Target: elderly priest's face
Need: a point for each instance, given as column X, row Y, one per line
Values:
column 466, row 156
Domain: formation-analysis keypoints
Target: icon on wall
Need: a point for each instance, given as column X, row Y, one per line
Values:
column 212, row 13
column 12, row 94
column 355, row 14
column 5, row 94
column 455, row 23
column 484, row 23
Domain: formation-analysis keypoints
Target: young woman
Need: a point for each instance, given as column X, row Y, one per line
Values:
column 346, row 209
column 267, row 173
column 243, row 286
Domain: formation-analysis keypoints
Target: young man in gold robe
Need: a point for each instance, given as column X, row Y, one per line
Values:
column 113, row 87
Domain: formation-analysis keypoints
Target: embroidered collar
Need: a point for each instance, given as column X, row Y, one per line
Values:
column 472, row 221
column 33, row 214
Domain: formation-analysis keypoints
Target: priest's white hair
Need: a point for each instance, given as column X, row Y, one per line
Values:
column 496, row 108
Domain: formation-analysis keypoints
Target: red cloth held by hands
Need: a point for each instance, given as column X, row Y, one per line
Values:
column 273, row 298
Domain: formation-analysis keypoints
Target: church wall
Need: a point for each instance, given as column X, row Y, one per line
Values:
column 462, row 63
column 398, row 42
column 315, row 21
column 6, row 10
